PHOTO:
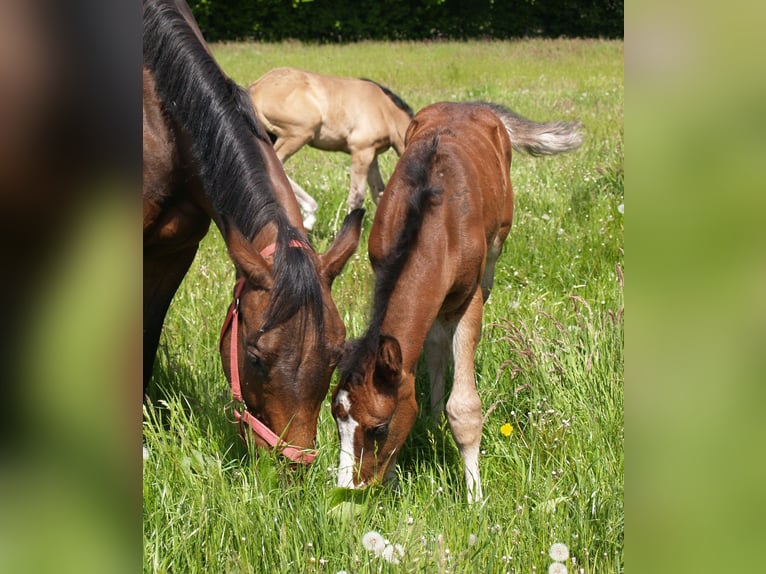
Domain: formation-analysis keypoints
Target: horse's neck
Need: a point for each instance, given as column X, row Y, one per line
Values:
column 412, row 308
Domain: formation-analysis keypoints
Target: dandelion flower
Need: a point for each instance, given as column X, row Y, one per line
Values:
column 373, row 542
column 559, row 552
column 506, row 429
column 557, row 568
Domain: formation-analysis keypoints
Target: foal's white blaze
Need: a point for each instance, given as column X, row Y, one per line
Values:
column 346, row 430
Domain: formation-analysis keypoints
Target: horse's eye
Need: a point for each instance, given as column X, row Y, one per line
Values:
column 378, row 431
column 256, row 361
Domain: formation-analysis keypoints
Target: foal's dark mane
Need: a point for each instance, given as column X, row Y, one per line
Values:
column 400, row 103
column 217, row 116
column 416, row 174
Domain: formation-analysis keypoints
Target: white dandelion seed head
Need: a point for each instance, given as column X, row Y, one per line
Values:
column 146, row 453
column 557, row 568
column 621, row 208
column 341, row 572
column 471, row 539
column 373, row 542
column 559, row 552
column 390, row 554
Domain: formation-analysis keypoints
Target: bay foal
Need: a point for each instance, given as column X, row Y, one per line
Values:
column 436, row 236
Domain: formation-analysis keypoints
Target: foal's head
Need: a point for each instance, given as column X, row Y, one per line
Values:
column 290, row 334
column 374, row 406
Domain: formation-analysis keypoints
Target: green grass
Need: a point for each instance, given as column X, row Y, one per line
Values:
column 550, row 362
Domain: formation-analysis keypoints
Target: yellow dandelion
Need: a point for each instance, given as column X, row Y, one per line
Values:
column 506, row 429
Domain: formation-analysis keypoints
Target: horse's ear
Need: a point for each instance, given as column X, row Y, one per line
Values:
column 247, row 259
column 343, row 247
column 388, row 363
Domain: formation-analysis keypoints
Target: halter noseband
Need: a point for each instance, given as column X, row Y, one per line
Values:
column 304, row 456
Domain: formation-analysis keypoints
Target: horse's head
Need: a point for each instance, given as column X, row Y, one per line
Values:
column 374, row 406
column 284, row 365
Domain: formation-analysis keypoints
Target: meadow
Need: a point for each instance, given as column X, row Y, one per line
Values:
column 549, row 365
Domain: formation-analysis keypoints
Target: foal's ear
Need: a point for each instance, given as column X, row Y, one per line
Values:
column 388, row 363
column 343, row 247
column 247, row 259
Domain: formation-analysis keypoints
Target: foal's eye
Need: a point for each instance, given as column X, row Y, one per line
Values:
column 378, row 431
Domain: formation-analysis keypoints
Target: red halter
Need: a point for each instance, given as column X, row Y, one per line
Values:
column 304, row 456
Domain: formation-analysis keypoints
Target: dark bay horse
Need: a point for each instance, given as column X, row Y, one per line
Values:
column 356, row 116
column 207, row 158
column 436, row 236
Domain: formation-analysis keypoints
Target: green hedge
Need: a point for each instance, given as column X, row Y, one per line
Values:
column 352, row 20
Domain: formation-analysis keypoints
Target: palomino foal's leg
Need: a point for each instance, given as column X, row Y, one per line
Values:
column 464, row 405
column 437, row 353
column 360, row 165
column 375, row 181
column 307, row 204
column 286, row 147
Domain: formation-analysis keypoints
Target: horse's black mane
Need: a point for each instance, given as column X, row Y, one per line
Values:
column 400, row 103
column 416, row 172
column 218, row 117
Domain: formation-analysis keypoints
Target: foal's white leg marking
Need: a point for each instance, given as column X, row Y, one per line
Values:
column 346, row 430
column 307, row 204
column 464, row 405
column 437, row 354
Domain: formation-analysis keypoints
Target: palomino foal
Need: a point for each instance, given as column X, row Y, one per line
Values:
column 436, row 236
column 355, row 116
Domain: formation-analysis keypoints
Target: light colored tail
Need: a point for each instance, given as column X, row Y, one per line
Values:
column 538, row 138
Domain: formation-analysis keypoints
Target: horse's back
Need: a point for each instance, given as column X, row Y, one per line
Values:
column 474, row 155
column 466, row 123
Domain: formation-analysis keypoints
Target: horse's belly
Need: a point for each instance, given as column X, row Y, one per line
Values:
column 330, row 141
column 171, row 229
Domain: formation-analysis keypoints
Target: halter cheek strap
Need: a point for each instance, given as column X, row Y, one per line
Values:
column 304, row 456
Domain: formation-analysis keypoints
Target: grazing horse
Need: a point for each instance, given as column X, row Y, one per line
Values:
column 436, row 236
column 207, row 158
column 356, row 116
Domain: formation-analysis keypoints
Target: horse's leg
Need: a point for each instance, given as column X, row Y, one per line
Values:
column 493, row 252
column 437, row 354
column 464, row 405
column 360, row 165
column 162, row 276
column 285, row 147
column 307, row 204
column 375, row 181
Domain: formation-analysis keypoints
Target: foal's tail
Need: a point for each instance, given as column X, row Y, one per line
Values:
column 538, row 138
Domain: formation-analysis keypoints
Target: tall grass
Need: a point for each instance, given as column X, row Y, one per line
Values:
column 550, row 361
